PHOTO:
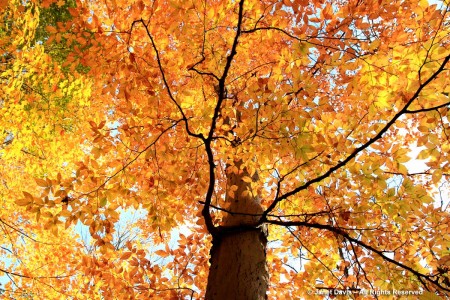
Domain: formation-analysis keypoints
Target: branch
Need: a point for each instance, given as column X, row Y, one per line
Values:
column 24, row 234
column 143, row 288
column 32, row 154
column 37, row 277
column 314, row 255
column 134, row 159
column 359, row 149
column 360, row 266
column 230, row 57
column 360, row 243
column 229, row 211
column 169, row 92
column 193, row 68
column 426, row 109
column 307, row 40
column 220, row 97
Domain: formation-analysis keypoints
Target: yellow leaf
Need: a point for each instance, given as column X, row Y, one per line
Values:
column 246, row 179
column 383, row 100
column 437, row 175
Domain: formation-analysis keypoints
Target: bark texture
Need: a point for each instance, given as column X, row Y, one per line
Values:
column 238, row 268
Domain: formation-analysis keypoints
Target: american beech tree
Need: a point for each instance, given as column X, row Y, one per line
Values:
column 268, row 147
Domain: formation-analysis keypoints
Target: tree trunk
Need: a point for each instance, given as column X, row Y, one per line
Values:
column 238, row 268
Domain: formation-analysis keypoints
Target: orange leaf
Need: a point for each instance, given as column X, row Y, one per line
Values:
column 161, row 253
column 126, row 255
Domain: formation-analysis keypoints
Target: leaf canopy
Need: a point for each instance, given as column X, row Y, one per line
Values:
column 119, row 107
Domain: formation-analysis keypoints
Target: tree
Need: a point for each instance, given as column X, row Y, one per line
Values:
column 274, row 138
